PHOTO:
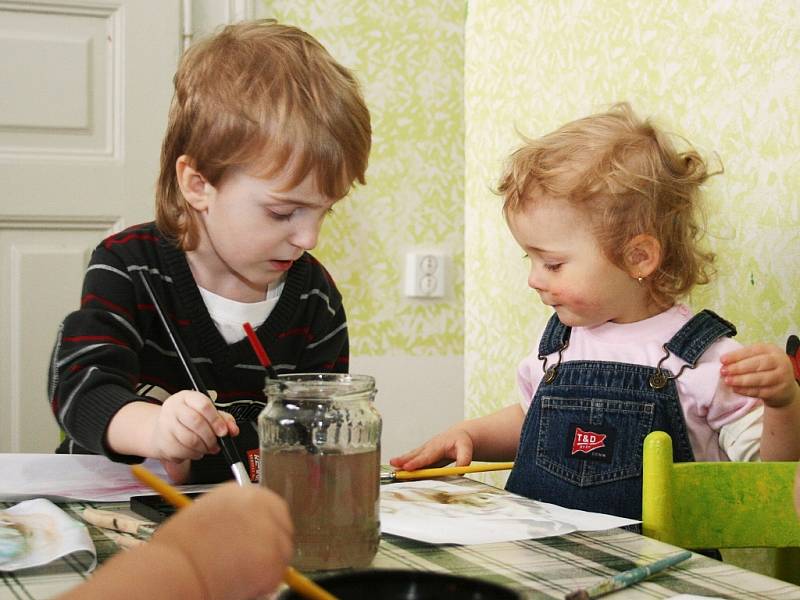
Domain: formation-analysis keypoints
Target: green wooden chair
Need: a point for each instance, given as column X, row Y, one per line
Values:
column 721, row 504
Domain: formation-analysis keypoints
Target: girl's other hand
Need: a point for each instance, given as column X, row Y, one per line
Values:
column 761, row 371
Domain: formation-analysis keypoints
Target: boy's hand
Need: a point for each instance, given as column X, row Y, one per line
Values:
column 252, row 519
column 452, row 445
column 187, row 427
column 761, row 371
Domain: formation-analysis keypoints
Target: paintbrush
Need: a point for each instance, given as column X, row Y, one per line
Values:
column 390, row 476
column 261, row 353
column 293, row 578
column 628, row 578
column 303, row 433
column 228, row 447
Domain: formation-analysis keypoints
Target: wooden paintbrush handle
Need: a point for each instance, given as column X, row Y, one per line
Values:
column 117, row 521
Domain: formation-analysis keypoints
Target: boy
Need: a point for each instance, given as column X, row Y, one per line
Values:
column 266, row 132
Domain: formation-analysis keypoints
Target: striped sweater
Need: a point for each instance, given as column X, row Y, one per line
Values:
column 114, row 350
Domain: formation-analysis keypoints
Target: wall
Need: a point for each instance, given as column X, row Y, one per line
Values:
column 726, row 74
column 408, row 56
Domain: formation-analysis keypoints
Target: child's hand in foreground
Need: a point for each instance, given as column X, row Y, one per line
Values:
column 761, row 371
column 187, row 427
column 455, row 444
column 234, row 543
column 239, row 540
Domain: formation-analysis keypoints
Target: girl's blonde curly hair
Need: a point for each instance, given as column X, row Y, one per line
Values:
column 630, row 179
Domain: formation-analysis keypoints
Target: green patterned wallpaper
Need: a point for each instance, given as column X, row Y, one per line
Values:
column 724, row 74
column 447, row 104
column 409, row 58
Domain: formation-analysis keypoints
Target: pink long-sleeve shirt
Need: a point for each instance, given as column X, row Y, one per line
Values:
column 722, row 425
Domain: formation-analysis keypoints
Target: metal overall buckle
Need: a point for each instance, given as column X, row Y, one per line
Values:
column 550, row 373
column 659, row 379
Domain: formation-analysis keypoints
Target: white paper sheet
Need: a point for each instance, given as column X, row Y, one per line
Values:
column 50, row 533
column 438, row 512
column 62, row 477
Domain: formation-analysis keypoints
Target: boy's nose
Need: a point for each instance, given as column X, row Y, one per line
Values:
column 305, row 236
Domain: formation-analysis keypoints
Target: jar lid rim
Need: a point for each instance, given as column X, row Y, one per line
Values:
column 341, row 384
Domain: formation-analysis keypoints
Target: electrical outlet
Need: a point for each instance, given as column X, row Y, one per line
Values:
column 425, row 274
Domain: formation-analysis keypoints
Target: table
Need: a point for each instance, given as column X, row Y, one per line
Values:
column 545, row 568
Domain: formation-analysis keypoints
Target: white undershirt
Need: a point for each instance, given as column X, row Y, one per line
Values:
column 229, row 315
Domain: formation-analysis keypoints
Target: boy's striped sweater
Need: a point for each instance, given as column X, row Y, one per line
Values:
column 114, row 350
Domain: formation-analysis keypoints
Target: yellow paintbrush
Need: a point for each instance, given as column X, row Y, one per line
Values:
column 293, row 578
column 387, row 477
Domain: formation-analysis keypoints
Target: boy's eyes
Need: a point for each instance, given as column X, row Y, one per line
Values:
column 279, row 216
column 285, row 216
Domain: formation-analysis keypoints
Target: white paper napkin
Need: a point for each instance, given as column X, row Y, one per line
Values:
column 50, row 534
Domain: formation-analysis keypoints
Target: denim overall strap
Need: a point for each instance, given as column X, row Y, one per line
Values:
column 694, row 338
column 555, row 336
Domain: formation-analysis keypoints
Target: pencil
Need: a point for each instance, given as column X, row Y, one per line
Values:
column 293, row 578
column 445, row 471
column 627, row 578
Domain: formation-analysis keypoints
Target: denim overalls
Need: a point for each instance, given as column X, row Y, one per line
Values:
column 581, row 444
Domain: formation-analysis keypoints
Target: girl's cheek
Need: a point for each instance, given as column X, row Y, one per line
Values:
column 583, row 299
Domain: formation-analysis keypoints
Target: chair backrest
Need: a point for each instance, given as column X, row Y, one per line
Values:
column 717, row 504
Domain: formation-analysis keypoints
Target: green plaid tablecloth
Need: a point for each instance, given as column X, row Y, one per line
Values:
column 545, row 568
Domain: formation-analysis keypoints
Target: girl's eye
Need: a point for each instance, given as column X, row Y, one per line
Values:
column 552, row 266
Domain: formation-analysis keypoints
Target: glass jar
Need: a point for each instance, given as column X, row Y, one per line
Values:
column 320, row 450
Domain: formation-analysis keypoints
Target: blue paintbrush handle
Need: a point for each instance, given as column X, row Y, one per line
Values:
column 627, row 578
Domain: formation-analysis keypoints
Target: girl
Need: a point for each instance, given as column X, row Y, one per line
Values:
column 606, row 210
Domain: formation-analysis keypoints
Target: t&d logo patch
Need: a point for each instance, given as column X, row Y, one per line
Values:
column 592, row 442
column 587, row 441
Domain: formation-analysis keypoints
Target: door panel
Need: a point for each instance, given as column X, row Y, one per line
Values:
column 85, row 93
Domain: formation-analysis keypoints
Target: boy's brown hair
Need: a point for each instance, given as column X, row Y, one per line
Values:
column 629, row 178
column 261, row 96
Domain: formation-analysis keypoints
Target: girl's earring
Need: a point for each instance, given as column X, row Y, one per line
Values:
column 639, row 279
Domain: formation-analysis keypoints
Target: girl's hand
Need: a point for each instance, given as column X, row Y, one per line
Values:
column 761, row 371
column 452, row 445
column 187, row 427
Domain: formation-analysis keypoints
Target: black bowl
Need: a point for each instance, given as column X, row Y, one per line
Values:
column 391, row 584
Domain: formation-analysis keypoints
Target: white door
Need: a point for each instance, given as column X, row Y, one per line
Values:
column 84, row 92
